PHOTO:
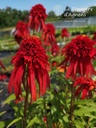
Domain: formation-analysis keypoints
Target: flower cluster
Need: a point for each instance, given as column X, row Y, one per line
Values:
column 78, row 55
column 32, row 55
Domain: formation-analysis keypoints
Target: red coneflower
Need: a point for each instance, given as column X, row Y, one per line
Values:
column 48, row 34
column 54, row 64
column 84, row 87
column 37, row 17
column 3, row 77
column 21, row 31
column 33, row 55
column 55, row 49
column 64, row 33
column 78, row 55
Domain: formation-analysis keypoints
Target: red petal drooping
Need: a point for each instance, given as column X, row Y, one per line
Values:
column 32, row 85
column 16, row 80
column 48, row 34
column 84, row 87
column 78, row 55
column 37, row 17
column 21, row 31
column 32, row 55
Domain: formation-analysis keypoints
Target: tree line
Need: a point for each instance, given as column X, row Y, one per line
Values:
column 9, row 17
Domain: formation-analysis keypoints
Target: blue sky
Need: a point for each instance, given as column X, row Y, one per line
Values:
column 56, row 5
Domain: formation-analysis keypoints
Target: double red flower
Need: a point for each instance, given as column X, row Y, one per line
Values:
column 55, row 49
column 30, row 54
column 78, row 56
column 21, row 31
column 37, row 17
column 48, row 34
column 84, row 87
column 64, row 33
column 3, row 77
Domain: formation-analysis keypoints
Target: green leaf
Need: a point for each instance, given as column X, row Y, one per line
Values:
column 2, row 124
column 91, row 116
column 9, row 99
column 84, row 110
column 1, row 90
column 14, row 121
column 33, row 121
column 60, row 120
column 86, row 102
column 65, row 118
column 78, row 124
column 1, row 113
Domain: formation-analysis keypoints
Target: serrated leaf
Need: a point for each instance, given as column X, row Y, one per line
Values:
column 14, row 121
column 91, row 116
column 86, row 102
column 84, row 110
column 33, row 121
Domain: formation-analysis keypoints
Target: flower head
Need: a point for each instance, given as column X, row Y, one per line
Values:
column 54, row 64
column 21, row 31
column 78, row 55
column 84, row 87
column 55, row 49
column 3, row 77
column 64, row 33
column 37, row 17
column 30, row 54
column 48, row 34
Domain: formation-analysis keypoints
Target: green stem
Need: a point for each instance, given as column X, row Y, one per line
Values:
column 34, row 33
column 45, row 112
column 25, row 110
column 25, row 102
column 72, row 107
column 88, row 123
